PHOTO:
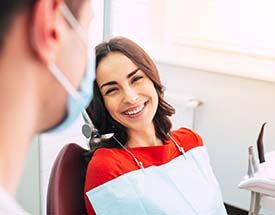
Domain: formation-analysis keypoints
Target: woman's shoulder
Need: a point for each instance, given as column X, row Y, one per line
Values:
column 187, row 138
column 103, row 167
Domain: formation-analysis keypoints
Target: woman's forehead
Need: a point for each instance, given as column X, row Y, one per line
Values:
column 114, row 65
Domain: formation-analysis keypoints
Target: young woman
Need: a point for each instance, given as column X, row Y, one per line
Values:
column 145, row 168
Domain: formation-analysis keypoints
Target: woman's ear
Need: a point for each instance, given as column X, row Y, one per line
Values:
column 47, row 23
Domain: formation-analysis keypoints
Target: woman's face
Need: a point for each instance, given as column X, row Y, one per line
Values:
column 129, row 95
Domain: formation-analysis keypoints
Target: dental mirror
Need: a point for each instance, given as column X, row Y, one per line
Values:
column 89, row 130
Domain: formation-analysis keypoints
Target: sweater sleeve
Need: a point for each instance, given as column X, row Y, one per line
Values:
column 187, row 138
column 102, row 168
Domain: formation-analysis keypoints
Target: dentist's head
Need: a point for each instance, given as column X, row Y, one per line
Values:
column 55, row 47
column 46, row 69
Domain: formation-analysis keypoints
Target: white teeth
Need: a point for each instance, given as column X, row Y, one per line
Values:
column 136, row 110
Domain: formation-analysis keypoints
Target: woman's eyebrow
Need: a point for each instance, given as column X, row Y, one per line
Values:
column 108, row 83
column 132, row 73
column 114, row 82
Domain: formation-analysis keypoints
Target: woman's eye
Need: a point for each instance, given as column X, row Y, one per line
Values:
column 108, row 92
column 136, row 78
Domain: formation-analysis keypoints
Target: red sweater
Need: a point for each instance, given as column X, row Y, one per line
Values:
column 107, row 164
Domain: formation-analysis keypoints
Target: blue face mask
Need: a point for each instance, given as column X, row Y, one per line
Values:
column 77, row 100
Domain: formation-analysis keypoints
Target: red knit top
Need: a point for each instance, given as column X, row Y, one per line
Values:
column 107, row 164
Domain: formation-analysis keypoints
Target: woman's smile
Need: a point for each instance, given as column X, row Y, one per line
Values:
column 135, row 112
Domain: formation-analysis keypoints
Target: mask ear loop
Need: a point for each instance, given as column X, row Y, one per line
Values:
column 62, row 79
column 52, row 67
column 73, row 22
column 177, row 145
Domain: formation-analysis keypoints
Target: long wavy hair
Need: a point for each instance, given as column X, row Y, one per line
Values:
column 97, row 110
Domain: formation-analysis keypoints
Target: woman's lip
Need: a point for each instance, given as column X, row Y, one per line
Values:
column 136, row 114
column 134, row 107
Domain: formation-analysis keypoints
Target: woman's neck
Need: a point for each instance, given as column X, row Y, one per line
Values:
column 143, row 138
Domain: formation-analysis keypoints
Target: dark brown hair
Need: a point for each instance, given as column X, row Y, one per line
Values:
column 10, row 8
column 97, row 110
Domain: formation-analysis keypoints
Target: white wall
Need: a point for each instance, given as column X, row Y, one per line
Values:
column 229, row 120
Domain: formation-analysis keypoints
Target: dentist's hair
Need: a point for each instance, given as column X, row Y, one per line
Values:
column 9, row 9
column 97, row 110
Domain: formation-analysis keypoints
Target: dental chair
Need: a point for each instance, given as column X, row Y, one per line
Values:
column 262, row 186
column 66, row 186
column 260, row 179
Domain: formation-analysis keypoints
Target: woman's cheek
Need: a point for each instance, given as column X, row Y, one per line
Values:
column 110, row 104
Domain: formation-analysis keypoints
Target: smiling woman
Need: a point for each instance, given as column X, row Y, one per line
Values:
column 132, row 99
column 124, row 74
column 145, row 168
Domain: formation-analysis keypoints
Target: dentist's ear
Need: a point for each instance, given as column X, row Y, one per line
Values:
column 46, row 29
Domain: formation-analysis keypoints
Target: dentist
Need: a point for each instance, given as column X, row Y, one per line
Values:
column 46, row 69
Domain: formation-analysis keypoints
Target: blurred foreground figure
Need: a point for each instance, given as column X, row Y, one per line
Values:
column 46, row 69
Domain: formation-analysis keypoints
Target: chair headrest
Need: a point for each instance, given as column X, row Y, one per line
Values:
column 66, row 185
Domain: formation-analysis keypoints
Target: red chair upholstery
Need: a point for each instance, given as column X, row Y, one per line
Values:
column 66, row 186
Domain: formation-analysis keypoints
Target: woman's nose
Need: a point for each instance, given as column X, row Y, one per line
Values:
column 130, row 96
